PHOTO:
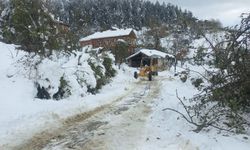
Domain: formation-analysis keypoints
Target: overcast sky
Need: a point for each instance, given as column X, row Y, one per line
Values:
column 227, row 11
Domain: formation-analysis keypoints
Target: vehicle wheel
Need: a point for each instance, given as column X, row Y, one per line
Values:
column 135, row 75
column 149, row 76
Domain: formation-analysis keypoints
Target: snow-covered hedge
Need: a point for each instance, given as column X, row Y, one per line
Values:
column 64, row 75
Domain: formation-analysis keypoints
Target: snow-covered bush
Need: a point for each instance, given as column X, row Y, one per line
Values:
column 64, row 90
column 103, row 70
column 107, row 63
column 99, row 74
column 197, row 82
column 224, row 102
column 64, row 75
column 183, row 76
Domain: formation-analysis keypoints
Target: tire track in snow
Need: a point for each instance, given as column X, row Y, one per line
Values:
column 128, row 130
column 78, row 131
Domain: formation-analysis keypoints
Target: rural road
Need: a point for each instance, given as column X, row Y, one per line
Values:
column 117, row 125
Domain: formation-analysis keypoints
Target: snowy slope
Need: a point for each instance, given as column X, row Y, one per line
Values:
column 167, row 130
column 21, row 114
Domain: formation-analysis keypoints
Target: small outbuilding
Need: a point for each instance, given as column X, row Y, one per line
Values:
column 143, row 56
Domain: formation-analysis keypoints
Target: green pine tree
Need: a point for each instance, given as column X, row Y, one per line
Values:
column 31, row 26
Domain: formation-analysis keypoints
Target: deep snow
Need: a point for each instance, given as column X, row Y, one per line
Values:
column 21, row 115
column 168, row 130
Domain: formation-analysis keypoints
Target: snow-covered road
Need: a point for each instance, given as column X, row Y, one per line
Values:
column 117, row 124
column 130, row 118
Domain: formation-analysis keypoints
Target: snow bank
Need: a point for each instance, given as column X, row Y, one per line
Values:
column 21, row 114
column 168, row 130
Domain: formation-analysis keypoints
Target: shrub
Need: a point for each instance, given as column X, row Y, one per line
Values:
column 91, row 90
column 42, row 93
column 183, row 76
column 63, row 90
column 197, row 82
column 100, row 77
column 110, row 71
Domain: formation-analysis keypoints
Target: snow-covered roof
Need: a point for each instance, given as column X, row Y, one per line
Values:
column 151, row 53
column 108, row 33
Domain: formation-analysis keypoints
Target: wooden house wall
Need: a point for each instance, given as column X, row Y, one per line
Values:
column 110, row 42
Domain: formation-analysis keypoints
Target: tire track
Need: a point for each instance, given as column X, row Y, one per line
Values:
column 80, row 131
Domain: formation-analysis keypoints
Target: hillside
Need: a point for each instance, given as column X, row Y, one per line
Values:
column 125, row 114
column 56, row 94
column 20, row 73
column 89, row 16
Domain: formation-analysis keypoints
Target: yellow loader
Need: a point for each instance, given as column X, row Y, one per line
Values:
column 148, row 68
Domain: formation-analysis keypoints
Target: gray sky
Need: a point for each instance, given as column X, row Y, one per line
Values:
column 227, row 11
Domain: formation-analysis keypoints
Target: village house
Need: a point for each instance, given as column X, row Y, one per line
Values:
column 108, row 39
column 142, row 57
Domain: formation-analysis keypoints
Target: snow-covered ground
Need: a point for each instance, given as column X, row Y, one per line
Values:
column 21, row 115
column 168, row 130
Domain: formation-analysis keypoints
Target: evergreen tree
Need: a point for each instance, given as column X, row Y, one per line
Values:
column 87, row 16
column 29, row 23
column 231, row 85
column 120, row 51
column 31, row 26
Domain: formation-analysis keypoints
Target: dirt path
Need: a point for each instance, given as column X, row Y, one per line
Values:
column 118, row 124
